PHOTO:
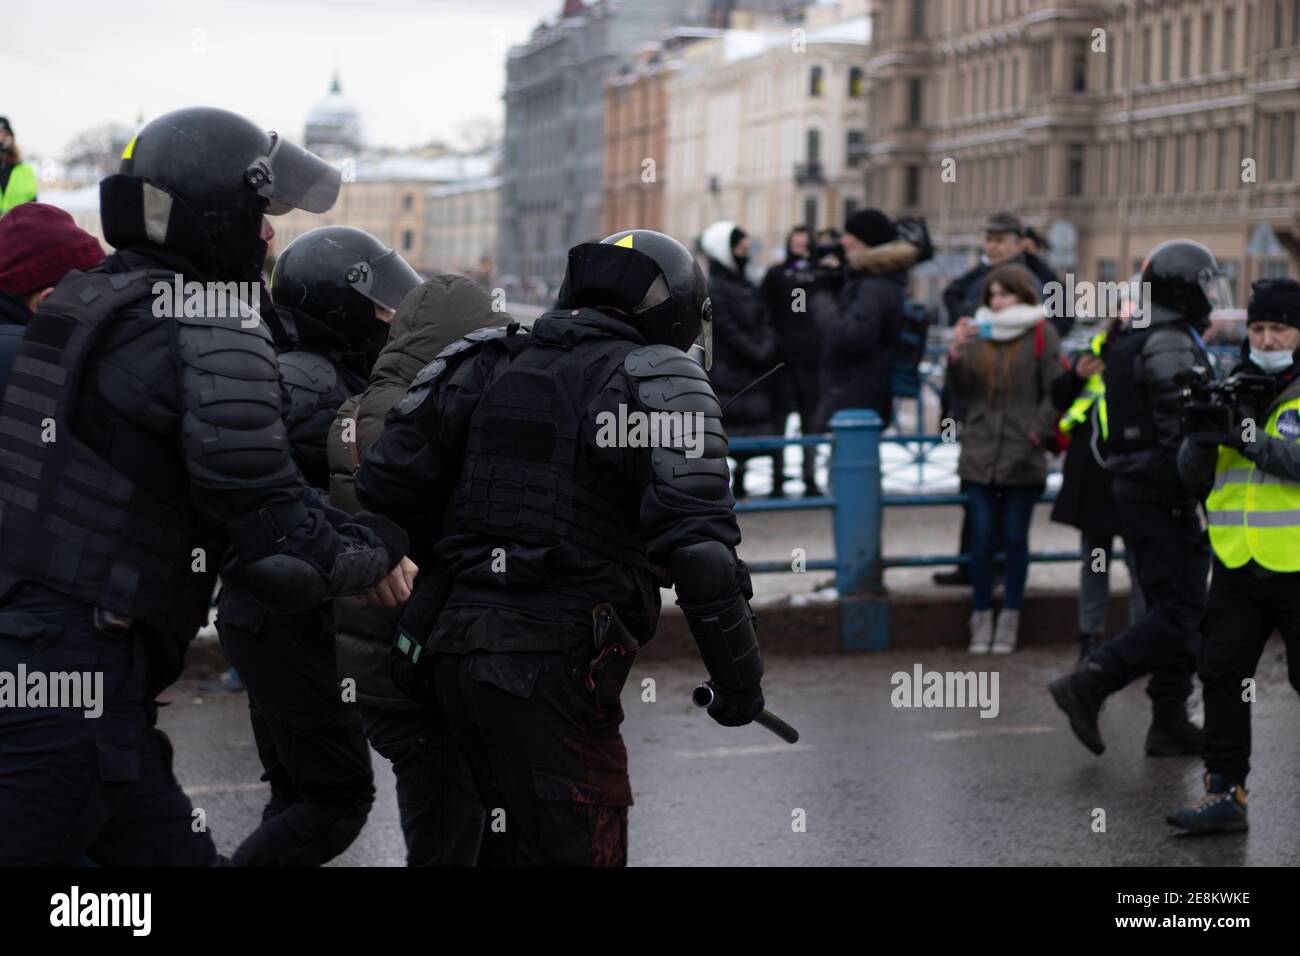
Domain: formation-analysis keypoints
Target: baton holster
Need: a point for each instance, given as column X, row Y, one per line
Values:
column 615, row 650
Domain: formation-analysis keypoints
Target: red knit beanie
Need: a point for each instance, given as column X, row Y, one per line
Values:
column 39, row 245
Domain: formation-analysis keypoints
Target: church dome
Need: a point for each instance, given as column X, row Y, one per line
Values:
column 333, row 125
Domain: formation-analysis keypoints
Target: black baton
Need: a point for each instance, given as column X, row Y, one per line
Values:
column 703, row 696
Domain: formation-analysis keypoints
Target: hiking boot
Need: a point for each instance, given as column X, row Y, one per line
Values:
column 1221, row 810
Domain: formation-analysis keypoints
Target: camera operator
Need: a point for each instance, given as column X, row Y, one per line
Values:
column 1145, row 367
column 1251, row 485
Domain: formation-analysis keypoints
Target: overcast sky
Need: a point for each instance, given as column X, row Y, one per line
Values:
column 414, row 68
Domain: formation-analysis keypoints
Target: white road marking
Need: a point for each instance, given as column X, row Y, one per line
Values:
column 991, row 732
column 744, row 751
column 224, row 788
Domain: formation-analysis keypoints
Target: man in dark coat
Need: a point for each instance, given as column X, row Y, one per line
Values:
column 744, row 343
column 1004, row 241
column 788, row 291
column 858, row 347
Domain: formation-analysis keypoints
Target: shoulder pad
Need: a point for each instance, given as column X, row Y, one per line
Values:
column 422, row 384
column 309, row 382
column 308, row 371
column 669, row 380
column 656, row 360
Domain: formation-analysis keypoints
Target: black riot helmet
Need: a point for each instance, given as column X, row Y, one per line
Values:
column 337, row 275
column 1185, row 280
column 199, row 180
column 652, row 279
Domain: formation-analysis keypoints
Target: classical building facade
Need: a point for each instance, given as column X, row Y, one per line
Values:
column 461, row 227
column 552, row 176
column 767, row 128
column 1117, row 124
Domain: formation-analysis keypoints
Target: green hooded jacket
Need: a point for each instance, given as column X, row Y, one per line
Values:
column 431, row 317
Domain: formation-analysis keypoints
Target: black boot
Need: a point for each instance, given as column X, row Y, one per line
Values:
column 1087, row 644
column 960, row 577
column 1080, row 694
column 1171, row 734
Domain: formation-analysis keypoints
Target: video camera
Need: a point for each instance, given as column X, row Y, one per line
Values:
column 1213, row 410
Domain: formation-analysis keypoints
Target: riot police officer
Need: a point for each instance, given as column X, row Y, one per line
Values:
column 140, row 440
column 1145, row 364
column 335, row 290
column 1252, row 498
column 560, row 526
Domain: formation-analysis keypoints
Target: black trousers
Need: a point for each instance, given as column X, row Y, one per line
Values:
column 437, row 801
column 310, row 741
column 1172, row 557
column 1244, row 611
column 550, row 764
column 76, row 787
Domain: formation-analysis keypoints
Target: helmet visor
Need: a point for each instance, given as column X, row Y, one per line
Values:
column 1218, row 291
column 702, row 348
column 385, row 280
column 294, row 178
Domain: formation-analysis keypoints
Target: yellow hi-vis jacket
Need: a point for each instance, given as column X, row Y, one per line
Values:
column 1254, row 515
column 21, row 187
column 1093, row 390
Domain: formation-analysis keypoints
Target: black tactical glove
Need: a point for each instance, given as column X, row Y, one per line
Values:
column 736, row 709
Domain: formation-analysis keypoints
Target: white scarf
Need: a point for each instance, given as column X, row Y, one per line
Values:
column 1010, row 323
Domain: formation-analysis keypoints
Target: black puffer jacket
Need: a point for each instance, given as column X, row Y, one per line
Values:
column 744, row 347
column 858, row 346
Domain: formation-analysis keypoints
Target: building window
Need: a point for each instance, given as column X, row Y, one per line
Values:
column 1002, row 84
column 1179, row 182
column 1110, row 70
column 408, row 240
column 1158, row 185
column 1079, row 66
column 1279, row 25
column 988, row 88
column 408, row 201
column 1207, row 43
column 1295, row 22
column 850, row 207
column 816, row 81
column 1015, row 82
column 918, row 19
column 856, row 147
column 810, row 212
column 1166, row 50
column 814, row 144
column 855, row 82
column 912, row 187
column 1148, row 54
column 915, row 89
column 1229, row 38
column 1074, row 170
column 1107, row 270
column 1041, row 66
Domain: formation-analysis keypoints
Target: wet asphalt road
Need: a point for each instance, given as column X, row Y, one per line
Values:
column 878, row 785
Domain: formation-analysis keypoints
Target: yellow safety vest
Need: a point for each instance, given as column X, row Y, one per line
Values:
column 20, row 189
column 1254, row 515
column 1093, row 390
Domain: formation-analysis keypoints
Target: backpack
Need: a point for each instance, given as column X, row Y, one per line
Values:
column 909, row 349
column 1059, row 441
